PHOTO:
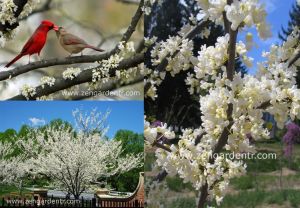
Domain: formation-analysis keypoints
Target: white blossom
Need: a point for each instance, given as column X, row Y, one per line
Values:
column 180, row 61
column 71, row 73
column 28, row 91
column 103, row 70
column 151, row 133
column 148, row 4
column 28, row 8
column 150, row 41
column 7, row 9
column 11, row 173
column 46, row 80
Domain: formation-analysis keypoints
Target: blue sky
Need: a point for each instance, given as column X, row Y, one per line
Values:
column 124, row 114
column 278, row 15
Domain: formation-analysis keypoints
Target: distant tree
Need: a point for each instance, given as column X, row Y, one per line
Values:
column 24, row 131
column 8, row 136
column 71, row 158
column 285, row 32
column 294, row 21
column 132, row 143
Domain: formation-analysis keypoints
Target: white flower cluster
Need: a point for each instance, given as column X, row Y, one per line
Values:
column 178, row 52
column 191, row 161
column 28, row 8
column 211, row 58
column 126, row 76
column 148, row 4
column 152, row 133
column 102, row 72
column 11, row 173
column 71, row 73
column 47, row 81
column 279, row 79
column 247, row 95
column 28, row 91
column 7, row 36
column 126, row 49
column 150, row 41
column 152, row 91
column 210, row 63
column 205, row 33
column 154, row 79
column 7, row 10
column 156, row 193
column 5, row 150
column 239, row 13
column 93, row 121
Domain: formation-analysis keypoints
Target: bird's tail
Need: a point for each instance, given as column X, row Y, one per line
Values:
column 14, row 60
column 94, row 48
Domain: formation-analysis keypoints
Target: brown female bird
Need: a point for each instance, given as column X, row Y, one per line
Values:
column 72, row 43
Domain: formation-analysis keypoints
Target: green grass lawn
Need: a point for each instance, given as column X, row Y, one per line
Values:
column 7, row 189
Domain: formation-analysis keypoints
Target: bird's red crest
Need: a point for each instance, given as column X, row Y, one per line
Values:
column 47, row 23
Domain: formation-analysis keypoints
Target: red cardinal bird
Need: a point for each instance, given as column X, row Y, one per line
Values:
column 37, row 41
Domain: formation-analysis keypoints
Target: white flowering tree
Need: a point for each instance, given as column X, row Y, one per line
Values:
column 70, row 158
column 10, row 172
column 232, row 105
column 119, row 66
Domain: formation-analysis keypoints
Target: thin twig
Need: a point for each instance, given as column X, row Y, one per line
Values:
column 129, row 1
column 130, row 30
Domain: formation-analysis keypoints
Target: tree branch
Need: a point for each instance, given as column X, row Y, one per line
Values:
column 230, row 70
column 159, row 145
column 293, row 60
column 130, row 30
column 83, row 77
column 198, row 138
column 129, row 1
column 161, row 176
column 52, row 62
